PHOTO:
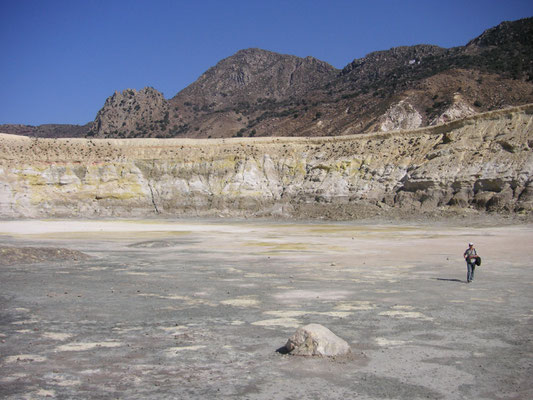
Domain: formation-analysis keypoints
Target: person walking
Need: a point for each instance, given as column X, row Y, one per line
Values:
column 470, row 256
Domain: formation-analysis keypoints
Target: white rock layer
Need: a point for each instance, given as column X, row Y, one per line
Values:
column 483, row 162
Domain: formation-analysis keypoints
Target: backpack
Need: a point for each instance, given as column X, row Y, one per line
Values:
column 478, row 261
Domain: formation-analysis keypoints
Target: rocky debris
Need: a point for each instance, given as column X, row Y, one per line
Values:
column 316, row 340
column 31, row 255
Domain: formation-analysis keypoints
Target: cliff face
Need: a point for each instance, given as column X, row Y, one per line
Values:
column 483, row 162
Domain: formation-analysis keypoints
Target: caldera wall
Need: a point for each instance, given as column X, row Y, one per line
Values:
column 483, row 162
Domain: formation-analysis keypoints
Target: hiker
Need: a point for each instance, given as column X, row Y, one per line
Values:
column 470, row 257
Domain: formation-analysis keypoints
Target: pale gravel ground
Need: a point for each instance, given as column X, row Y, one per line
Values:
column 196, row 309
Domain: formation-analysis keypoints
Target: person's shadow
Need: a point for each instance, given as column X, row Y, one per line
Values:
column 448, row 280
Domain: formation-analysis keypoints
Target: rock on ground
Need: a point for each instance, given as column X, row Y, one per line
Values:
column 316, row 340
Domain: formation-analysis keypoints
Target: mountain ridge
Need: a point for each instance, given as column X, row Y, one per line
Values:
column 258, row 92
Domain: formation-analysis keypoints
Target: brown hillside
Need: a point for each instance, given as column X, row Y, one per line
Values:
column 261, row 93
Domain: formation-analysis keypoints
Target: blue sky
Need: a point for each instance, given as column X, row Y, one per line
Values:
column 62, row 58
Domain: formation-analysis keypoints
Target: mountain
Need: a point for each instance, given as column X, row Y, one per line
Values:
column 47, row 130
column 254, row 75
column 261, row 93
column 251, row 83
column 133, row 113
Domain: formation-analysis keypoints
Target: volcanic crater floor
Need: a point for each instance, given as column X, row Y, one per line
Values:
column 195, row 309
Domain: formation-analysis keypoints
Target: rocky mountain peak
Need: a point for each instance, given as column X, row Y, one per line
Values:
column 507, row 33
column 253, row 73
column 131, row 112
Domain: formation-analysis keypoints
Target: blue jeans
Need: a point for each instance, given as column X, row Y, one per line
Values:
column 470, row 267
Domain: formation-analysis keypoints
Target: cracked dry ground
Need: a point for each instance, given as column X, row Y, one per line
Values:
column 196, row 309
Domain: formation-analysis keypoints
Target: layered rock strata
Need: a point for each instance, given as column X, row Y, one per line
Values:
column 482, row 162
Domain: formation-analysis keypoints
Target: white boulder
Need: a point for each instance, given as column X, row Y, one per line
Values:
column 316, row 340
